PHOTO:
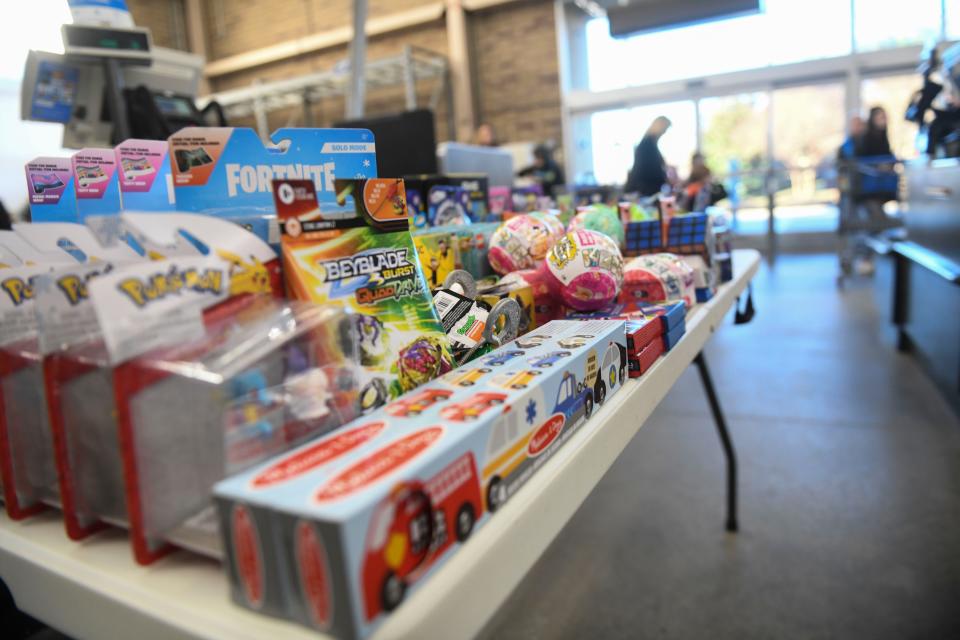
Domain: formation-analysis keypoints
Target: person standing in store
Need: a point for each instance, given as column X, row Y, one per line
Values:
column 544, row 170
column 649, row 172
column 485, row 136
column 874, row 141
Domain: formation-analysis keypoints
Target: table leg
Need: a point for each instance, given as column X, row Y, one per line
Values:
column 728, row 450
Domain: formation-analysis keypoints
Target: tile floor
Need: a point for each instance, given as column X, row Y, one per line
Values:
column 850, row 493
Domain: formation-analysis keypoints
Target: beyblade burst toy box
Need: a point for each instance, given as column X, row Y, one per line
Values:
column 336, row 533
column 358, row 254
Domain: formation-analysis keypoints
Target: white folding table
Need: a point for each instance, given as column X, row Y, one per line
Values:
column 93, row 589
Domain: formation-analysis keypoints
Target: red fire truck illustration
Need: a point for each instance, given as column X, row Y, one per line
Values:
column 417, row 403
column 472, row 409
column 413, row 527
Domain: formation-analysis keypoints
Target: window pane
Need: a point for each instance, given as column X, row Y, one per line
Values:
column 881, row 24
column 733, row 139
column 615, row 133
column 781, row 34
column 808, row 128
column 953, row 19
column 893, row 94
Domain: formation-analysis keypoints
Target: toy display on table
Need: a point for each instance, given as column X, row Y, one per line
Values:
column 546, row 306
column 443, row 249
column 473, row 325
column 261, row 379
column 448, row 205
column 657, row 277
column 365, row 259
column 437, row 254
column 522, row 241
column 457, row 198
column 585, row 269
column 651, row 330
column 70, row 253
column 600, row 218
column 338, row 533
column 703, row 277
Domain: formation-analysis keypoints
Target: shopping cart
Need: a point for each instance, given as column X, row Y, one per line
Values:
column 866, row 185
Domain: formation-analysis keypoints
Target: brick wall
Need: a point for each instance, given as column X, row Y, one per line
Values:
column 162, row 17
column 514, row 49
column 516, row 71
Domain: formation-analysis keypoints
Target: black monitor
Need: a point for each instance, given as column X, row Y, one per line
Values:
column 406, row 142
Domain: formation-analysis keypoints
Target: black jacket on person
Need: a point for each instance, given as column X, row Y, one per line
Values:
column 549, row 175
column 873, row 142
column 649, row 172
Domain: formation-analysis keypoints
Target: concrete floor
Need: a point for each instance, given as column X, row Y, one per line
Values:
column 850, row 493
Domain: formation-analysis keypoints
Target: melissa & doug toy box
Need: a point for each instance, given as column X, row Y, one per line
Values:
column 337, row 532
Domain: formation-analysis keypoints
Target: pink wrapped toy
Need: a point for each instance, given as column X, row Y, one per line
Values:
column 522, row 241
column 586, row 269
column 658, row 277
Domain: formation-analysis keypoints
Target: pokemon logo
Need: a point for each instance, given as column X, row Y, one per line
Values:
column 257, row 178
column 174, row 282
column 74, row 287
column 18, row 289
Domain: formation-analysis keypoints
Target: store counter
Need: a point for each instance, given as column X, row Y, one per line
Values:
column 925, row 271
column 95, row 589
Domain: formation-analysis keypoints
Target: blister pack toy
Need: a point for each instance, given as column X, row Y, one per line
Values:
column 366, row 262
column 437, row 254
column 337, row 533
column 227, row 172
column 145, row 180
column 50, row 187
column 448, row 206
column 96, row 182
column 262, row 379
column 80, row 366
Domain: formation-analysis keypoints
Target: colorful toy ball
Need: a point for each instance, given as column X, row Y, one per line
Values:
column 522, row 241
column 600, row 218
column 586, row 269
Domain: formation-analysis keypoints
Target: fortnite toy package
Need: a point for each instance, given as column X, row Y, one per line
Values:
column 145, row 180
column 96, row 182
column 227, row 172
column 50, row 186
column 338, row 532
column 365, row 261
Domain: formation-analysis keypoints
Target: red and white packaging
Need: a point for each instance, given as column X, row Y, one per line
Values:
column 656, row 278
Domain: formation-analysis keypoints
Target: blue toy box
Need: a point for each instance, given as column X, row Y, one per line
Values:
column 336, row 534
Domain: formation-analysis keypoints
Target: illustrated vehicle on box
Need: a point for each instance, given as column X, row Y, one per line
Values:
column 499, row 359
column 417, row 403
column 574, row 399
column 466, row 378
column 574, row 342
column 413, row 527
column 472, row 409
column 530, row 342
column 549, row 359
column 519, row 380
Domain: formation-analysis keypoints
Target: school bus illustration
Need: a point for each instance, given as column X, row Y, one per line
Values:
column 413, row 527
column 518, row 380
column 466, row 378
